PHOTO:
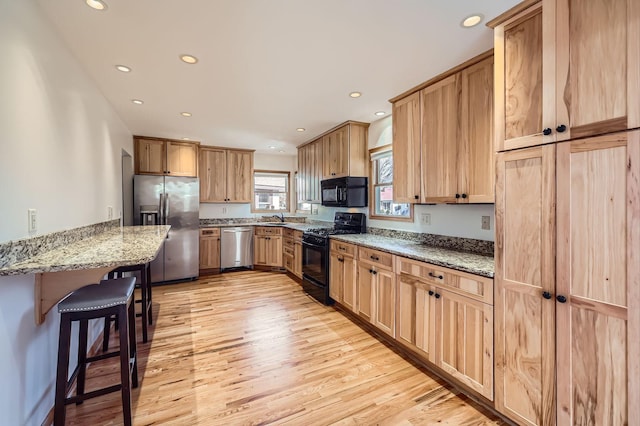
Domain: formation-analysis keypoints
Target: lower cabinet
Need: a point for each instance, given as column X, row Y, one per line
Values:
column 292, row 251
column 377, row 296
column 342, row 274
column 267, row 246
column 209, row 248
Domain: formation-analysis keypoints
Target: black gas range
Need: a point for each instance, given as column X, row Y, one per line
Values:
column 315, row 252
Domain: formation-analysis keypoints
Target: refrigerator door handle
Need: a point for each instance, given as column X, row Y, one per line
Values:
column 166, row 207
column 160, row 210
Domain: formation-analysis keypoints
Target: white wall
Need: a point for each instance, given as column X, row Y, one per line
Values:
column 281, row 163
column 461, row 220
column 60, row 153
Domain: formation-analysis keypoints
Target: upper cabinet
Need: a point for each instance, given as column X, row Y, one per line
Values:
column 225, row 175
column 155, row 156
column 443, row 137
column 566, row 69
column 342, row 151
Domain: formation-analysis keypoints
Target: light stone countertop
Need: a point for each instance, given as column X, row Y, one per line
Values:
column 461, row 261
column 292, row 225
column 121, row 246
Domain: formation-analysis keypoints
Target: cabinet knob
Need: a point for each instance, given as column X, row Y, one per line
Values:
column 561, row 128
column 464, row 195
column 169, row 172
column 416, row 197
column 561, row 299
column 340, row 259
column 457, row 195
column 546, row 295
column 374, row 272
column 374, row 257
column 547, row 131
column 431, row 292
column 437, row 295
column 432, row 275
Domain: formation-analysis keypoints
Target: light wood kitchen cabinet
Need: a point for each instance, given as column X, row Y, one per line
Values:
column 292, row 251
column 446, row 317
column 155, row 156
column 406, row 149
column 576, row 307
column 310, row 172
column 267, row 246
column 342, row 273
column 566, row 69
column 376, row 293
column 443, row 137
column 345, row 151
column 225, row 175
column 209, row 248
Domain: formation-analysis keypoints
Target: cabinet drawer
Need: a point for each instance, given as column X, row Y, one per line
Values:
column 288, row 262
column 343, row 248
column 210, row 232
column 288, row 250
column 474, row 286
column 288, row 232
column 268, row 230
column 376, row 257
column 297, row 236
column 287, row 242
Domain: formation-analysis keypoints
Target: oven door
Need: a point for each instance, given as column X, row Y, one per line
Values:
column 315, row 263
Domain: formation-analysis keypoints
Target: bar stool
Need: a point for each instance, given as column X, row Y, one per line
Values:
column 91, row 302
column 145, row 300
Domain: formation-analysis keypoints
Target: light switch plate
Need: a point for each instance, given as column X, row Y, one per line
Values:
column 33, row 220
column 425, row 218
column 486, row 222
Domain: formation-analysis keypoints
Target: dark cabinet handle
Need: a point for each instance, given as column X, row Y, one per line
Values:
column 561, row 128
column 168, row 171
column 437, row 296
column 374, row 257
column 457, row 195
column 547, row 131
column 431, row 292
column 341, row 248
column 464, row 195
column 375, row 272
column 546, row 295
column 340, row 259
column 416, row 196
column 561, row 299
column 432, row 275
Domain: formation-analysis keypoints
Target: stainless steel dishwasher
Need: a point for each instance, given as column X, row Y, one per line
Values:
column 236, row 247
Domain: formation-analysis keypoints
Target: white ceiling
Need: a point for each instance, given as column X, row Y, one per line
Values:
column 265, row 67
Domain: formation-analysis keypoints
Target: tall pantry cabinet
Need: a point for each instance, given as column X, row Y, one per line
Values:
column 567, row 304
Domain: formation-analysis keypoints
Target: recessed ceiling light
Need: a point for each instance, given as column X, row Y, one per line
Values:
column 189, row 59
column 300, row 129
column 123, row 68
column 185, row 114
column 96, row 4
column 380, row 113
column 355, row 94
column 281, row 151
column 272, row 147
column 472, row 20
column 137, row 101
column 185, row 139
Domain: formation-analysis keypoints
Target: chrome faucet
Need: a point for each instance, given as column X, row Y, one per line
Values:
column 280, row 218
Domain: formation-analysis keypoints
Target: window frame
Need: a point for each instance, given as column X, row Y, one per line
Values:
column 373, row 185
column 254, row 208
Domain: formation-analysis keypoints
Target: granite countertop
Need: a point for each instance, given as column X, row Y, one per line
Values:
column 292, row 225
column 129, row 245
column 461, row 261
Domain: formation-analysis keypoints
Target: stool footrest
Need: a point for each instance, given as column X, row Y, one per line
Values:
column 92, row 394
column 103, row 356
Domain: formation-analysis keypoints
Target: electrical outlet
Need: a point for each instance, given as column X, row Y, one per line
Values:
column 425, row 218
column 33, row 220
column 109, row 212
column 486, row 222
column 224, row 210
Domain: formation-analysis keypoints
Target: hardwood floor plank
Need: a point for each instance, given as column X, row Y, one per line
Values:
column 249, row 348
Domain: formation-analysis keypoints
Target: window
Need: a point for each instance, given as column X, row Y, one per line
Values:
column 270, row 191
column 382, row 205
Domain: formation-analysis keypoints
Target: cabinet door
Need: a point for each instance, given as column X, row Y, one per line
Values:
column 365, row 291
column 335, row 153
column 209, row 252
column 260, row 250
column 150, row 157
column 598, row 292
column 349, row 287
column 302, row 176
column 213, row 175
column 525, row 269
column 239, row 176
column 316, row 160
column 598, row 66
column 385, row 301
column 465, row 349
column 274, row 251
column 336, row 275
column 406, row 149
column 415, row 316
column 297, row 259
column 440, row 113
column 476, row 154
column 519, row 63
column 182, row 159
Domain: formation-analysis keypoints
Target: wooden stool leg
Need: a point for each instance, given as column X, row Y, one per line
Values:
column 125, row 375
column 82, row 358
column 62, row 370
column 133, row 350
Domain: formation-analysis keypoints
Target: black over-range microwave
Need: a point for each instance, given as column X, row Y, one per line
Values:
column 347, row 191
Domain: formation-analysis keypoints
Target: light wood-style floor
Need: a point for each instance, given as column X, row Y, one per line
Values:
column 251, row 348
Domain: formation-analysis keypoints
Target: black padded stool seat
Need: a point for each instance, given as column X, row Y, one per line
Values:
column 145, row 300
column 91, row 302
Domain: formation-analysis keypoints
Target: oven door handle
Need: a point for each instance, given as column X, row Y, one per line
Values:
column 304, row 243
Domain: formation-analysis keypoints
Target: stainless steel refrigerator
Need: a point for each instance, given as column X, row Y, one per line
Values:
column 159, row 200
